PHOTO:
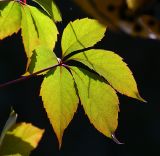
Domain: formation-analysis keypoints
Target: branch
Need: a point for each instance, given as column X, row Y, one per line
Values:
column 26, row 77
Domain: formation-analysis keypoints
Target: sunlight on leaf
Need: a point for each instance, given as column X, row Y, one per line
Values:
column 45, row 27
column 81, row 34
column 9, row 24
column 21, row 140
column 59, row 99
column 51, row 8
column 99, row 100
column 37, row 29
column 42, row 58
column 29, row 33
column 112, row 68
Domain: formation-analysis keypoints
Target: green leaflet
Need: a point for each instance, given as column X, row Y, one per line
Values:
column 9, row 24
column 46, row 28
column 28, row 32
column 37, row 29
column 59, row 99
column 99, row 100
column 21, row 140
column 81, row 34
column 42, row 58
column 112, row 68
column 51, row 8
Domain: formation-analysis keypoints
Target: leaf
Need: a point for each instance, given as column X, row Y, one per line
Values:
column 21, row 140
column 81, row 34
column 42, row 58
column 51, row 8
column 46, row 28
column 99, row 100
column 9, row 24
column 37, row 29
column 112, row 68
column 29, row 32
column 59, row 99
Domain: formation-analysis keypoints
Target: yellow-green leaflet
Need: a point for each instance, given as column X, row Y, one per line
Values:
column 46, row 28
column 51, row 8
column 9, row 24
column 99, row 100
column 21, row 140
column 112, row 68
column 29, row 33
column 42, row 58
column 37, row 29
column 59, row 99
column 81, row 34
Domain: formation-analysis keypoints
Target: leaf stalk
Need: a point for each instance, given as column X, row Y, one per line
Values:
column 26, row 77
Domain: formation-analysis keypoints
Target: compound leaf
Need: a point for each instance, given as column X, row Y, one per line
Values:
column 99, row 100
column 21, row 140
column 51, row 8
column 42, row 58
column 81, row 34
column 9, row 24
column 112, row 68
column 59, row 99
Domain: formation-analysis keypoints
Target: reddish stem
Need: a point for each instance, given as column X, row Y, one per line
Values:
column 24, row 1
column 27, row 77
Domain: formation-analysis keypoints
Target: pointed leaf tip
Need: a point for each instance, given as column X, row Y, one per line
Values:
column 140, row 98
column 115, row 139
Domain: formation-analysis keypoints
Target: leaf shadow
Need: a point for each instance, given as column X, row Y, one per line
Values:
column 15, row 145
column 33, row 62
column 87, row 71
column 3, row 4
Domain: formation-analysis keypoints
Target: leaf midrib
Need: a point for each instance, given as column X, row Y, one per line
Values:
column 78, row 39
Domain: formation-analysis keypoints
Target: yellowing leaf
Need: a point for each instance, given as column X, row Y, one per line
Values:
column 37, row 29
column 29, row 33
column 51, row 8
column 46, row 28
column 99, row 100
column 42, row 58
column 81, row 34
column 59, row 99
column 112, row 68
column 21, row 140
column 9, row 24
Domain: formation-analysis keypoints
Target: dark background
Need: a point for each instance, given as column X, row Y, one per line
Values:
column 139, row 123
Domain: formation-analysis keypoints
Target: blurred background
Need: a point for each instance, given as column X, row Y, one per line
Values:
column 139, row 123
